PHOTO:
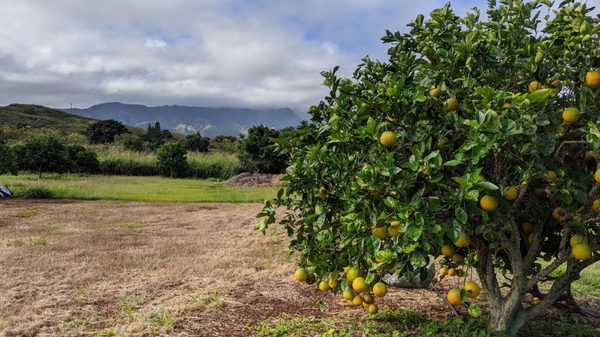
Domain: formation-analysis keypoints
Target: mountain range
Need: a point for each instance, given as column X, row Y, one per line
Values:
column 210, row 122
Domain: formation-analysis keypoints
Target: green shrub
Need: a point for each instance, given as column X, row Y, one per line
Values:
column 36, row 193
column 127, row 167
column 259, row 153
column 8, row 160
column 171, row 160
column 42, row 154
column 81, row 160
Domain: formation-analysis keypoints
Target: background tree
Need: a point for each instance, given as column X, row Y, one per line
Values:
column 104, row 132
column 228, row 144
column 8, row 159
column 477, row 142
column 81, row 160
column 131, row 142
column 197, row 143
column 171, row 159
column 258, row 152
column 43, row 154
column 155, row 136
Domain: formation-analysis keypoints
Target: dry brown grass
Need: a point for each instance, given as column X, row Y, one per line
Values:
column 77, row 268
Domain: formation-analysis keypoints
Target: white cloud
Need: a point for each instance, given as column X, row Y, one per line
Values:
column 214, row 53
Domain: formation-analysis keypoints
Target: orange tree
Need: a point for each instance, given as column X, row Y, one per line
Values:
column 475, row 143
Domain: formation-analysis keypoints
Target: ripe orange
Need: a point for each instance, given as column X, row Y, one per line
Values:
column 596, row 205
column 380, row 232
column 373, row 309
column 454, row 296
column 597, row 176
column 589, row 155
column 323, row 286
column 556, row 213
column 472, row 289
column 463, row 240
column 570, row 115
column 348, row 295
column 452, row 104
column 393, row 232
column 352, row 274
column 577, row 238
column 528, row 228
column 357, row 301
column 435, row 91
column 488, row 203
column 592, row 79
column 359, row 285
column 457, row 258
column 556, row 84
column 551, row 175
column 452, row 272
column 379, row 289
column 511, row 193
column 388, row 138
column 322, row 193
column 332, row 283
column 581, row 251
column 301, row 275
column 443, row 271
column 534, row 85
column 447, row 250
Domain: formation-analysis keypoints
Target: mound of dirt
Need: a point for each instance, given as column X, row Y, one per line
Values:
column 247, row 179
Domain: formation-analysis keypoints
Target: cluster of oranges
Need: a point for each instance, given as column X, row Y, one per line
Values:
column 359, row 292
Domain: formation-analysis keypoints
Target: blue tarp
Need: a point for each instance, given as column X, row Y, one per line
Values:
column 5, row 192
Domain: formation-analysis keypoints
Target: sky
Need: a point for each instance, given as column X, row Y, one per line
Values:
column 234, row 53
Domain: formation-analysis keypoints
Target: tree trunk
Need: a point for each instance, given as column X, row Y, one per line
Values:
column 507, row 317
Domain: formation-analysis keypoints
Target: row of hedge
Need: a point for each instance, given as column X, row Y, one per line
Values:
column 195, row 169
column 49, row 154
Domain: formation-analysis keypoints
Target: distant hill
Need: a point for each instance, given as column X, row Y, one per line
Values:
column 37, row 116
column 209, row 122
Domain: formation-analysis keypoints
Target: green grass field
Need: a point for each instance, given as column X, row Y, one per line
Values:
column 67, row 186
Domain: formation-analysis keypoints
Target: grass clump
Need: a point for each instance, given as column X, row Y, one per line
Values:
column 39, row 241
column 404, row 323
column 131, row 226
column 26, row 213
column 36, row 192
column 163, row 319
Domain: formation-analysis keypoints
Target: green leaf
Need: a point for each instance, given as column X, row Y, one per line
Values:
column 453, row 162
column 370, row 277
column 461, row 215
column 546, row 144
column 453, row 230
column 472, row 195
column 417, row 259
column 474, row 310
column 486, row 185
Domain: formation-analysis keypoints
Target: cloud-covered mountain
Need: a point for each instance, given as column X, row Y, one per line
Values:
column 209, row 122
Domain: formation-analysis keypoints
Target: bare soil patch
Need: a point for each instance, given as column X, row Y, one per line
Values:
column 76, row 268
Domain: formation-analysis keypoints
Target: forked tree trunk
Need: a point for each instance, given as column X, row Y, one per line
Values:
column 507, row 318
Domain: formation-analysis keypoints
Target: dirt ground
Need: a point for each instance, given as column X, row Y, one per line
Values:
column 78, row 268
